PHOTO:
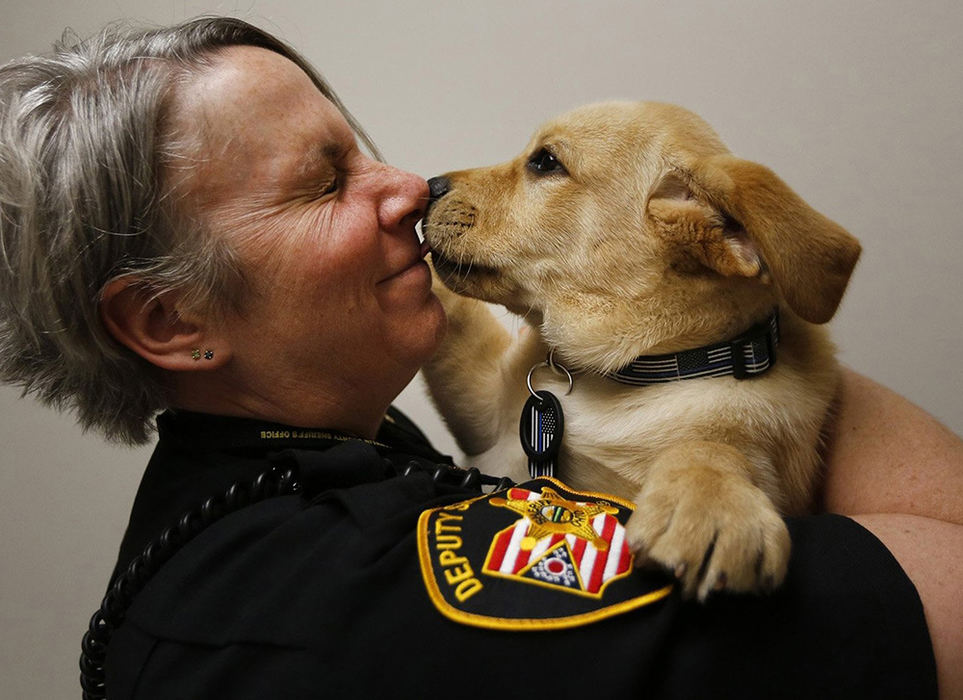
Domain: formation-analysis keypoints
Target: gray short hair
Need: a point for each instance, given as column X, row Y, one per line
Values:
column 84, row 142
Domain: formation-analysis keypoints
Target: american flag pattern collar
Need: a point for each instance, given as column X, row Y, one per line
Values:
column 749, row 354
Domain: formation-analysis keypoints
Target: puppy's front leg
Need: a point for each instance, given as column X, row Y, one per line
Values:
column 699, row 515
column 463, row 376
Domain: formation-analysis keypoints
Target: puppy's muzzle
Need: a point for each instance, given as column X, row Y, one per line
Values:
column 438, row 187
column 452, row 220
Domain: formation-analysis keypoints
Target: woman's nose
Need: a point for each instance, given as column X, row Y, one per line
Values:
column 407, row 196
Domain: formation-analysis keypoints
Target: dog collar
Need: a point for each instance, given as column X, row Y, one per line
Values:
column 747, row 355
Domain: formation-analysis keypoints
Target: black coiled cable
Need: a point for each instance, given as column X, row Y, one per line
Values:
column 273, row 482
column 467, row 478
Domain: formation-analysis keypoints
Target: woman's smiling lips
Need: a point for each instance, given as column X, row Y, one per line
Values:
column 414, row 265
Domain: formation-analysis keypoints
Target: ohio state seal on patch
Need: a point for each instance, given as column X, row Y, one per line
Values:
column 536, row 556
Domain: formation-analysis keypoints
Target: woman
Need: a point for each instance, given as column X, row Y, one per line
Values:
column 189, row 224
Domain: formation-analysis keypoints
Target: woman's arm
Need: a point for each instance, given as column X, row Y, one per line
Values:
column 931, row 553
column 888, row 456
column 899, row 472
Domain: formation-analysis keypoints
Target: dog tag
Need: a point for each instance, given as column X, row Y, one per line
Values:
column 540, row 430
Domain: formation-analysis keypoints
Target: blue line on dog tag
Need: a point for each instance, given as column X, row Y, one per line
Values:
column 540, row 430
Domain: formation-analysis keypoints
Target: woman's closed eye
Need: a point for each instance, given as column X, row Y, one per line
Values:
column 332, row 186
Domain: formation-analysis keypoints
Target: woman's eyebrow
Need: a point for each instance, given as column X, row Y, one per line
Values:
column 332, row 151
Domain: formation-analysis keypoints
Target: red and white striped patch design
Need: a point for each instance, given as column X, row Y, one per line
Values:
column 595, row 567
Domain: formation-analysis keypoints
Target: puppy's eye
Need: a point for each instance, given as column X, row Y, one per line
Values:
column 544, row 161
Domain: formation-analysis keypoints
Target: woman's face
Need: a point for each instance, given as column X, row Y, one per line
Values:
column 341, row 315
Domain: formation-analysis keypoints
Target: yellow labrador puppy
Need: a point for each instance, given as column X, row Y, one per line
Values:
column 661, row 277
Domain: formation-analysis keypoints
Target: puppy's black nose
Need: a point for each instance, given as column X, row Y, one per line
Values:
column 438, row 187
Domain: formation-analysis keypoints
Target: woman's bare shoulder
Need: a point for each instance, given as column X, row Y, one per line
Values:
column 887, row 455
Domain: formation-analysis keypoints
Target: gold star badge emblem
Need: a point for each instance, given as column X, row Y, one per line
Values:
column 552, row 514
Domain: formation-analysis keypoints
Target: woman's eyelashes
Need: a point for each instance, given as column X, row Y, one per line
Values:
column 332, row 186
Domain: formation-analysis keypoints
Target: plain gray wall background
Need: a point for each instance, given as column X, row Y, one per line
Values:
column 857, row 105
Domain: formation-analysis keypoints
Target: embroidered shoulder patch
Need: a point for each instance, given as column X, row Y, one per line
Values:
column 536, row 556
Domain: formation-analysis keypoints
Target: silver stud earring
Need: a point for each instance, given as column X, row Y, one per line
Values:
column 196, row 354
column 208, row 354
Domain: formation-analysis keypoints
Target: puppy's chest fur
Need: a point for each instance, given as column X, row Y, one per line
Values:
column 613, row 431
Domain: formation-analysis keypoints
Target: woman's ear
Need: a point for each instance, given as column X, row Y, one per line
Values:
column 152, row 326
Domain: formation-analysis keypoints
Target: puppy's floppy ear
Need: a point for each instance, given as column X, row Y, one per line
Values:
column 810, row 257
column 704, row 232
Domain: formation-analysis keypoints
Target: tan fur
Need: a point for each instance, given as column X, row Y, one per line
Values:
column 654, row 239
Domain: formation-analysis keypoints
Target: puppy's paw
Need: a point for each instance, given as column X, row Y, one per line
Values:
column 712, row 529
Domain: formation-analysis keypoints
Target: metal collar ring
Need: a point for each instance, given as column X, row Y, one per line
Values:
column 555, row 367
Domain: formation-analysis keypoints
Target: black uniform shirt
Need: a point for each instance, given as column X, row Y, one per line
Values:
column 321, row 595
